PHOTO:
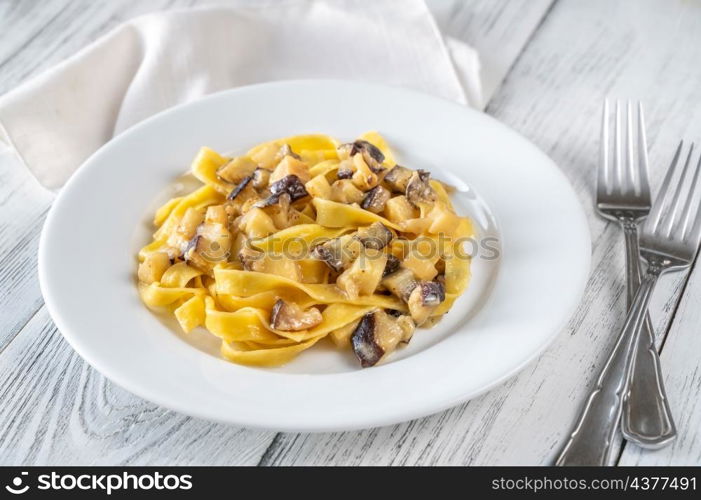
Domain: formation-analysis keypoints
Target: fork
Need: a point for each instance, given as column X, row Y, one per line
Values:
column 623, row 195
column 669, row 241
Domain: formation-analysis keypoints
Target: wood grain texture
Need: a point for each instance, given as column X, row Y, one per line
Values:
column 56, row 409
column 582, row 52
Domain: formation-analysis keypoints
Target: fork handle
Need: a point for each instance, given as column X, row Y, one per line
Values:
column 591, row 440
column 646, row 419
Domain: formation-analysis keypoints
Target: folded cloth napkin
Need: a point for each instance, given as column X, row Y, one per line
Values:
column 59, row 118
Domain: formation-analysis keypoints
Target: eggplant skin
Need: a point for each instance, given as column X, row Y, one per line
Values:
column 291, row 185
column 191, row 246
column 391, row 266
column 239, row 187
column 371, row 153
column 432, row 293
column 344, row 173
column 363, row 342
column 328, row 256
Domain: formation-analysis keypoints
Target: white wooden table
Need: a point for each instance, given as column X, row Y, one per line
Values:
column 551, row 62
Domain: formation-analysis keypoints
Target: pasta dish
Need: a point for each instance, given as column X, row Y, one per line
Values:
column 302, row 239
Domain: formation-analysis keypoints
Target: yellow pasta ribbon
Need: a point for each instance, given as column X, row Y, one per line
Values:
column 246, row 283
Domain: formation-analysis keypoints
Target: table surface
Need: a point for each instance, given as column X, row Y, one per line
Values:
column 550, row 63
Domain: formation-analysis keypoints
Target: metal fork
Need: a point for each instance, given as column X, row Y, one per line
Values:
column 623, row 195
column 668, row 242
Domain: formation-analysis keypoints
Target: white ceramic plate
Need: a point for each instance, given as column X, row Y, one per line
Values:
column 514, row 307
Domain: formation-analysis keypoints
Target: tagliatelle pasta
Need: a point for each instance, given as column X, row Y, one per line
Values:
column 304, row 238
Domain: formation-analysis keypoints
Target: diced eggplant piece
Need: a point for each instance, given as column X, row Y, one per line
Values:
column 375, row 199
column 398, row 210
column 424, row 299
column 290, row 166
column 392, row 265
column 344, row 191
column 216, row 214
column 344, row 171
column 371, row 153
column 288, row 316
column 398, row 178
column 365, row 346
column 327, row 254
column 211, row 244
column 281, row 213
column 338, row 253
column 364, row 275
column 375, row 236
column 261, row 176
column 319, row 187
column 153, row 267
column 239, row 188
column 401, row 283
column 408, row 327
column 286, row 150
column 191, row 246
column 418, row 190
column 378, row 334
column 291, row 185
column 251, row 259
column 237, row 169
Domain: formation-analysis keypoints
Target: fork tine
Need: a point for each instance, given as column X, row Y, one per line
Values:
column 643, row 181
column 604, row 167
column 629, row 177
column 671, row 215
column 653, row 219
column 618, row 164
column 687, row 221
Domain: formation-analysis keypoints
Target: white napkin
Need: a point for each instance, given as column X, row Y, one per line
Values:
column 59, row 118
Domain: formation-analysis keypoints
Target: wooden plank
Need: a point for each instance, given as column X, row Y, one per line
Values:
column 582, row 52
column 57, row 410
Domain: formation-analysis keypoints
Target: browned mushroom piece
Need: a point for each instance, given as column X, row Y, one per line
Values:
column 261, row 176
column 375, row 199
column 378, row 334
column 375, row 236
column 371, row 153
column 401, row 283
column 398, row 178
column 239, row 188
column 419, row 190
column 424, row 299
column 288, row 316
